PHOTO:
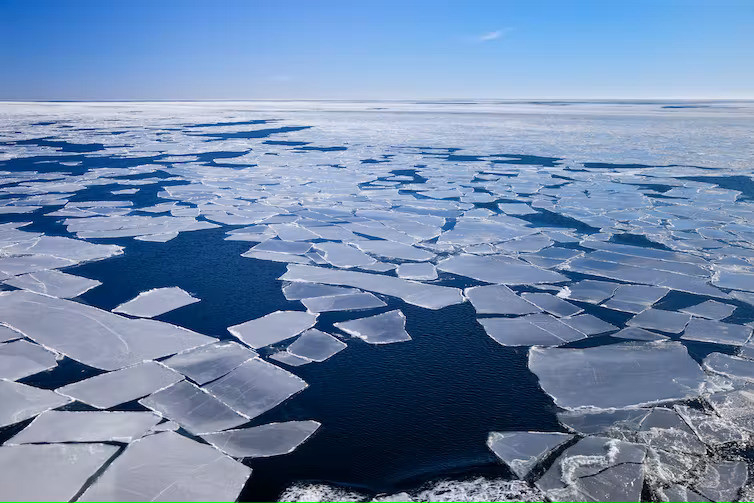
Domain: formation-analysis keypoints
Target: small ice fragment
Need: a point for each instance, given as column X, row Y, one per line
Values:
column 193, row 408
column 711, row 429
column 157, row 238
column 723, row 480
column 316, row 345
column 345, row 302
column 96, row 426
column 551, row 304
column 716, row 331
column 22, row 358
column 207, row 363
column 635, row 298
column 272, row 328
column 169, row 467
column 289, row 359
column 53, row 283
column 639, row 334
column 263, row 441
column 155, row 302
column 590, row 291
column 298, row 291
column 113, row 388
column 731, row 366
column 55, row 472
column 420, row 271
column 618, row 375
column 522, row 450
column 589, row 422
column 498, row 299
column 255, row 387
column 657, row 319
column 384, row 328
column 21, row 402
column 710, row 309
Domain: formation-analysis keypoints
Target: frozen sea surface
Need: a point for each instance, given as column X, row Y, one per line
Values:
column 387, row 301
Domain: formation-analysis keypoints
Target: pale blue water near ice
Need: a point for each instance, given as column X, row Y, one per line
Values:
column 585, row 268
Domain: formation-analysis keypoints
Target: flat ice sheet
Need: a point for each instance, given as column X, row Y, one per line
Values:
column 207, row 363
column 710, row 309
column 156, row 302
column 93, row 336
column 716, row 331
column 418, row 294
column 385, row 328
column 193, row 408
column 499, row 269
column 114, row 388
column 552, row 304
column 345, row 302
column 522, row 450
column 169, row 467
column 19, row 402
column 658, row 319
column 272, row 328
column 53, row 283
column 263, row 441
column 617, row 376
column 316, row 345
column 530, row 330
column 255, row 387
column 498, row 299
column 54, row 472
column 21, row 358
column 56, row 426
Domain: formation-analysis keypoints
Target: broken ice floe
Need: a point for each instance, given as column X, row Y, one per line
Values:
column 530, row 330
column 263, row 441
column 207, row 363
column 156, row 302
column 385, row 328
column 522, row 450
column 498, row 299
column 20, row 402
column 618, row 375
column 272, row 328
column 499, row 269
column 53, row 283
column 343, row 302
column 316, row 345
column 716, row 331
column 21, row 358
column 169, row 467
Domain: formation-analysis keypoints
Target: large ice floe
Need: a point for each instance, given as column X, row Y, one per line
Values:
column 605, row 250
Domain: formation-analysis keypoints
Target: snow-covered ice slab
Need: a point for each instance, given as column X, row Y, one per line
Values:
column 54, row 472
column 736, row 407
column 530, row 330
column 316, row 345
column 716, row 331
column 731, row 366
column 114, row 388
column 263, row 441
column 207, row 363
column 169, row 467
column 635, row 298
column 596, row 469
column 93, row 336
column 499, row 269
column 14, row 266
column 193, row 408
column 617, row 376
column 255, row 387
column 551, row 304
column 711, row 429
column 20, row 402
column 498, row 299
column 156, row 301
column 710, row 309
column 385, row 328
column 522, row 450
column 590, row 290
column 412, row 292
column 21, row 358
column 53, row 283
column 344, row 302
column 658, row 319
column 419, row 271
column 96, row 426
column 272, row 328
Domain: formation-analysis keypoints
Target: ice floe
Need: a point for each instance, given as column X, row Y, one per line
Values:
column 53, row 283
column 522, row 450
column 263, row 441
column 385, row 328
column 272, row 328
column 156, row 302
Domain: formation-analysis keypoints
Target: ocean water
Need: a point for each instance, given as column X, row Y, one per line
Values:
column 543, row 195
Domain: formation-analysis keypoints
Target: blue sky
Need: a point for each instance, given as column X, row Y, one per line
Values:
column 369, row 49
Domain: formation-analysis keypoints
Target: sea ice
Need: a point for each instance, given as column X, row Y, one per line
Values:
column 316, row 345
column 263, row 441
column 498, row 299
column 113, row 388
column 21, row 358
column 55, row 472
column 53, row 283
column 716, row 331
column 522, row 450
column 20, row 402
column 207, row 363
column 658, row 319
column 384, row 328
column 618, row 375
column 156, row 302
column 97, row 426
column 551, row 304
column 169, row 467
column 342, row 302
column 419, row 271
column 530, row 330
column 255, row 387
column 499, row 269
column 635, row 298
column 272, row 328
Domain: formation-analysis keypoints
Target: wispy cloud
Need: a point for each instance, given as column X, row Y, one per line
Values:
column 493, row 35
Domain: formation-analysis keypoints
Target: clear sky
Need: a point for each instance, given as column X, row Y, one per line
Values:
column 375, row 49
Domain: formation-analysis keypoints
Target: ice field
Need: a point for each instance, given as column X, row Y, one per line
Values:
column 388, row 301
